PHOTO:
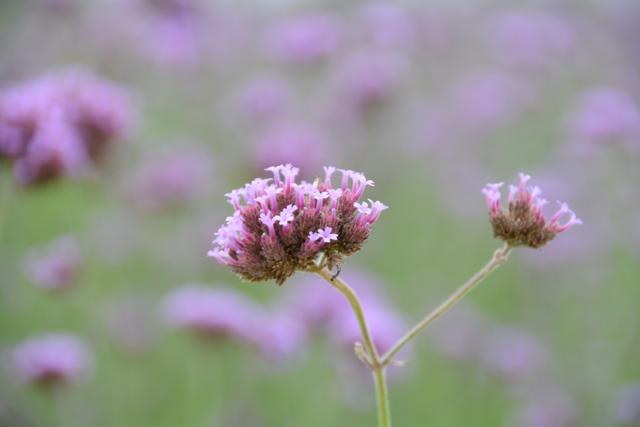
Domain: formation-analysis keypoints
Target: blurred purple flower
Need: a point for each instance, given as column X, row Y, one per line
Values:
column 264, row 98
column 461, row 334
column 298, row 143
column 513, row 354
column 605, row 116
column 55, row 266
column 168, row 31
column 388, row 24
column 368, row 77
column 322, row 308
column 305, row 38
column 60, row 123
column 483, row 100
column 627, row 405
column 171, row 180
column 385, row 324
column 51, row 359
column 314, row 303
column 132, row 324
column 171, row 39
column 214, row 313
column 282, row 335
column 530, row 38
column 549, row 408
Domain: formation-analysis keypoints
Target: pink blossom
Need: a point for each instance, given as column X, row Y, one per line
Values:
column 523, row 222
column 530, row 38
column 369, row 78
column 286, row 141
column 264, row 98
column 280, row 226
column 55, row 266
column 51, row 359
column 61, row 124
column 304, row 38
column 605, row 116
column 213, row 313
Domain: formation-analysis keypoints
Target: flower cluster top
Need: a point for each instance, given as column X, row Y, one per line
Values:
column 61, row 124
column 523, row 222
column 280, row 226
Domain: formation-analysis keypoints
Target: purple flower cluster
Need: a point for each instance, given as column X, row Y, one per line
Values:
column 51, row 359
column 368, row 78
column 301, row 143
column 56, row 266
column 60, row 124
column 171, row 180
column 304, row 39
column 627, row 405
column 280, row 226
column 523, row 223
column 322, row 309
column 530, row 38
column 515, row 356
column 226, row 314
column 212, row 313
column 606, row 116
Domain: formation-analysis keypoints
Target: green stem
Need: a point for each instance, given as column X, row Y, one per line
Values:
column 372, row 359
column 356, row 306
column 500, row 256
column 382, row 397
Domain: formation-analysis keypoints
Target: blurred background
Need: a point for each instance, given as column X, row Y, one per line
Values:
column 124, row 122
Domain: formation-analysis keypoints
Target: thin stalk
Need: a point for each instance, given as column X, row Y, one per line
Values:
column 500, row 256
column 356, row 306
column 371, row 359
column 382, row 397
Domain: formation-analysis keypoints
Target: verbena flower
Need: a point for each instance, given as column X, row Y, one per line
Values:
column 172, row 179
column 302, row 143
column 367, row 78
column 280, row 226
column 523, row 222
column 305, row 38
column 55, row 266
column 606, row 116
column 513, row 354
column 60, row 124
column 51, row 359
column 214, row 313
column 530, row 38
column 264, row 98
column 627, row 405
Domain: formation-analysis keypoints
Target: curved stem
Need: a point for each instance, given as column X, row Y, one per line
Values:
column 500, row 256
column 370, row 358
column 356, row 306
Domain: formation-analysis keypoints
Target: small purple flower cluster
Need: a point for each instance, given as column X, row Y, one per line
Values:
column 304, row 39
column 56, row 266
column 212, row 313
column 60, row 124
column 515, row 356
column 224, row 314
column 50, row 360
column 280, row 226
column 320, row 308
column 523, row 223
column 170, row 180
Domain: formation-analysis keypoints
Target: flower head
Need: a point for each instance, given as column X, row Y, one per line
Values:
column 280, row 226
column 213, row 313
column 60, row 124
column 55, row 266
column 523, row 222
column 51, row 359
